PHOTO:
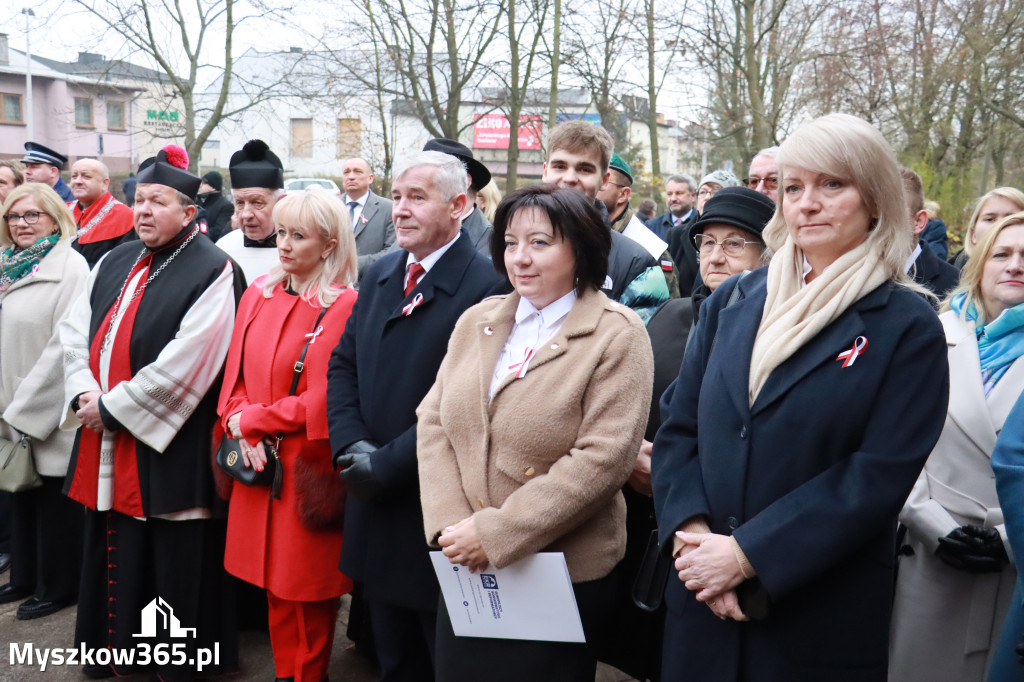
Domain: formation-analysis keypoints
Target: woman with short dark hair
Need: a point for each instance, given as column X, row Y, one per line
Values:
column 532, row 427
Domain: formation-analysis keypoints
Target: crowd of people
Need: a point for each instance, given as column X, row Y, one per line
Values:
column 774, row 434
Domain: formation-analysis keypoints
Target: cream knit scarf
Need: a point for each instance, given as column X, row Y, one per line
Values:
column 793, row 316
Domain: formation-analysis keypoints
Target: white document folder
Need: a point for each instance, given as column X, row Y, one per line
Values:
column 531, row 599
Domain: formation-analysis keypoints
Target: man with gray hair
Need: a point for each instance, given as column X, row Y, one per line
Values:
column 383, row 366
column 764, row 173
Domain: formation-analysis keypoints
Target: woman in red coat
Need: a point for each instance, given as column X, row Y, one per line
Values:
column 290, row 546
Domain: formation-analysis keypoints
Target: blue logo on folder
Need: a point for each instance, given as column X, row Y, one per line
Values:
column 489, row 581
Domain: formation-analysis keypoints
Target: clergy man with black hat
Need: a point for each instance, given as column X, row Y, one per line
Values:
column 257, row 182
column 143, row 350
column 44, row 165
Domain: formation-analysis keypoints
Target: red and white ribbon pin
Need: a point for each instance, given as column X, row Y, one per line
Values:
column 850, row 356
column 312, row 335
column 521, row 367
column 416, row 300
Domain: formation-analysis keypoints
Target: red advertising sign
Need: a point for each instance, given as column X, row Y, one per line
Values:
column 492, row 131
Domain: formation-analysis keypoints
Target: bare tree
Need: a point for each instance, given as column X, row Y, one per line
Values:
column 177, row 39
column 750, row 52
column 598, row 34
column 437, row 50
column 663, row 45
column 517, row 73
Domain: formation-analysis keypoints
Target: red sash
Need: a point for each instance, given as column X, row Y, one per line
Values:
column 116, row 219
column 127, row 497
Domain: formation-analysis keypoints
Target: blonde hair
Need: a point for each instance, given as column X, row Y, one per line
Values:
column 974, row 268
column 1009, row 193
column 47, row 200
column 848, row 148
column 320, row 213
column 492, row 197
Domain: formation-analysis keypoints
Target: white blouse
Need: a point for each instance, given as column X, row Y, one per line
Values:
column 533, row 328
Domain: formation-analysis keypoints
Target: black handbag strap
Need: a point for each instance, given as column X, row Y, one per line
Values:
column 299, row 366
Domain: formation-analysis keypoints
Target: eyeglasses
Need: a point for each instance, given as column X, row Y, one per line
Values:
column 706, row 192
column 771, row 182
column 733, row 246
column 30, row 217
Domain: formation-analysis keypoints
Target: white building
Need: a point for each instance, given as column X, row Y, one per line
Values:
column 302, row 107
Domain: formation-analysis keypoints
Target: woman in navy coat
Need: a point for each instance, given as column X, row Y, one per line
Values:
column 802, row 415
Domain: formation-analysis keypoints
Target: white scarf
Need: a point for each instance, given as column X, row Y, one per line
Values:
column 794, row 315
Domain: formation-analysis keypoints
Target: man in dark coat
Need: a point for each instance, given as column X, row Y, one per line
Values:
column 382, row 368
column 129, row 190
column 143, row 349
column 674, row 225
column 927, row 268
column 218, row 209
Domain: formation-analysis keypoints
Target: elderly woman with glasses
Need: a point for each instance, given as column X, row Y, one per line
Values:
column 40, row 275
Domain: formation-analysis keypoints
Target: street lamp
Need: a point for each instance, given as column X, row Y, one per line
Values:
column 27, row 11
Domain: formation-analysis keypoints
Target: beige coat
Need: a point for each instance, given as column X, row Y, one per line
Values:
column 946, row 622
column 31, row 358
column 540, row 466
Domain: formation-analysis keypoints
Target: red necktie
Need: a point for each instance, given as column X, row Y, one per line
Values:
column 415, row 272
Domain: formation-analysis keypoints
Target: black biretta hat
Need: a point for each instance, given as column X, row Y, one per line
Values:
column 256, row 166
column 169, row 167
column 739, row 207
column 37, row 153
column 477, row 171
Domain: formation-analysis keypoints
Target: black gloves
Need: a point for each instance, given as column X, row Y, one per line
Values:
column 973, row 549
column 357, row 469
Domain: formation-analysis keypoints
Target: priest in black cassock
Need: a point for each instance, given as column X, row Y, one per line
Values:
column 143, row 349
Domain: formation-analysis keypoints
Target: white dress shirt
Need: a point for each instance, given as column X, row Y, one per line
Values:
column 358, row 210
column 428, row 262
column 533, row 328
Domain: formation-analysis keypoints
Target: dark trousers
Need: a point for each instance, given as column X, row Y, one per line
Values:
column 46, row 542
column 404, row 641
column 130, row 564
column 498, row 660
column 5, row 521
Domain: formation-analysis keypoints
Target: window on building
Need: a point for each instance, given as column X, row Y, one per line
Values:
column 350, row 134
column 115, row 115
column 10, row 111
column 302, row 138
column 83, row 112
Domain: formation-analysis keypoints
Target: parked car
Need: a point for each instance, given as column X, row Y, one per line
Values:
column 300, row 184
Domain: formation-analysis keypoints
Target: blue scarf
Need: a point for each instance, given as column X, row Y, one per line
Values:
column 1000, row 341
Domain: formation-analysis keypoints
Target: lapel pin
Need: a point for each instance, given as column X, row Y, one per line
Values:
column 416, row 300
column 850, row 356
column 312, row 335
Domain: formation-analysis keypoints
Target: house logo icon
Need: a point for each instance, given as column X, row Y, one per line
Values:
column 158, row 615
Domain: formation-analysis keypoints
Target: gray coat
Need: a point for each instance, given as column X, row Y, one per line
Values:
column 946, row 622
column 32, row 361
column 374, row 231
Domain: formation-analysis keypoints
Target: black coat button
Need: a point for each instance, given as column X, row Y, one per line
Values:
column 743, row 432
column 733, row 523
